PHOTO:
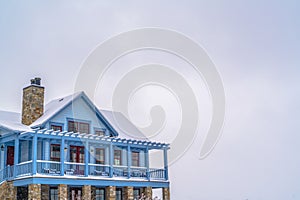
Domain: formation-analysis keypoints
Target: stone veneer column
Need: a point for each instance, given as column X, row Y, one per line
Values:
column 45, row 192
column 8, row 191
column 62, row 192
column 166, row 193
column 127, row 193
column 147, row 191
column 86, row 192
column 110, row 193
column 34, row 192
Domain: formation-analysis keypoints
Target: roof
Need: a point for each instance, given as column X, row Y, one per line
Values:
column 119, row 123
column 122, row 125
column 12, row 121
column 53, row 107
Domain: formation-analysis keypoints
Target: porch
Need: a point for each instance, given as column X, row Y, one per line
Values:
column 116, row 160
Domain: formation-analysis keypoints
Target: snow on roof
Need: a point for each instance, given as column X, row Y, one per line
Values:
column 53, row 107
column 123, row 126
column 125, row 129
column 12, row 121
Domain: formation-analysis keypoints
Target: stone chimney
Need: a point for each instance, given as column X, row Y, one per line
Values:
column 33, row 102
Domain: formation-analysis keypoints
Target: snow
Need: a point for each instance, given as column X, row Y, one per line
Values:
column 12, row 121
column 53, row 107
column 125, row 129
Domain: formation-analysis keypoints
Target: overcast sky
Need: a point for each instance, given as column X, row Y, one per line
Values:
column 254, row 44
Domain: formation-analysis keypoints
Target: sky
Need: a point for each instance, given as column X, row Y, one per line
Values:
column 254, row 45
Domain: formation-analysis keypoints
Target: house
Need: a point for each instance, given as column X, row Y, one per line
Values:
column 69, row 149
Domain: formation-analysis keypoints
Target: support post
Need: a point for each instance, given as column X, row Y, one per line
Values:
column 147, row 163
column 166, row 163
column 128, row 161
column 34, row 154
column 111, row 160
column 62, row 157
column 16, row 156
column 86, row 158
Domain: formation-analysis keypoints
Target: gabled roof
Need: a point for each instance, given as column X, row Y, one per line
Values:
column 12, row 121
column 123, row 126
column 54, row 107
column 116, row 121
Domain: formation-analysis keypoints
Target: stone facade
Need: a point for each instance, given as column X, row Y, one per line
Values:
column 33, row 103
column 166, row 193
column 34, row 192
column 62, row 192
column 86, row 192
column 147, row 191
column 127, row 193
column 110, row 193
column 45, row 192
column 8, row 191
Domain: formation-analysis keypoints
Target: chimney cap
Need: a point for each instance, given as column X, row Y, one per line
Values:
column 36, row 81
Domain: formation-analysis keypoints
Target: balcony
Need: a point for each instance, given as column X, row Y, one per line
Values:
column 71, row 169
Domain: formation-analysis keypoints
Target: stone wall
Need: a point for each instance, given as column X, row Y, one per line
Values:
column 110, row 193
column 127, row 193
column 8, row 191
column 62, row 192
column 34, row 192
column 147, row 191
column 166, row 193
column 86, row 192
column 33, row 104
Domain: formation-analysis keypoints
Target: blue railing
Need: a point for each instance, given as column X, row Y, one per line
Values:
column 138, row 172
column 48, row 167
column 74, row 169
column 24, row 169
column 157, row 173
column 52, row 168
column 98, row 170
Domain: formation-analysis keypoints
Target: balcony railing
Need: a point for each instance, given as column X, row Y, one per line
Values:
column 52, row 168
column 98, row 170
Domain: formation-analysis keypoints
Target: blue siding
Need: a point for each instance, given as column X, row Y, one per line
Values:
column 78, row 110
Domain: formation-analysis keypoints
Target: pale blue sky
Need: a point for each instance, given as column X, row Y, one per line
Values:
column 254, row 44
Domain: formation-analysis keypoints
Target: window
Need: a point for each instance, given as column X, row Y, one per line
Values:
column 100, row 156
column 53, row 194
column 117, row 157
column 55, row 152
column 100, row 194
column 118, row 194
column 56, row 128
column 135, row 159
column 100, row 132
column 81, row 127
column 136, row 193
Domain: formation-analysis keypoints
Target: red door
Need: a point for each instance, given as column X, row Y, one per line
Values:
column 77, row 156
column 10, row 155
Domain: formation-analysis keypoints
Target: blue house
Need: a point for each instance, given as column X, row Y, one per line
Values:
column 69, row 149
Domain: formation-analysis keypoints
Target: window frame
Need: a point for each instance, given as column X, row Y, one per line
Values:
column 120, row 160
column 56, row 159
column 101, row 162
column 137, row 158
column 77, row 125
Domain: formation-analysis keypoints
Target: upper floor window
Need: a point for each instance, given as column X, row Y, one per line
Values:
column 135, row 159
column 81, row 127
column 55, row 152
column 53, row 193
column 117, row 157
column 100, row 132
column 100, row 156
column 56, row 128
